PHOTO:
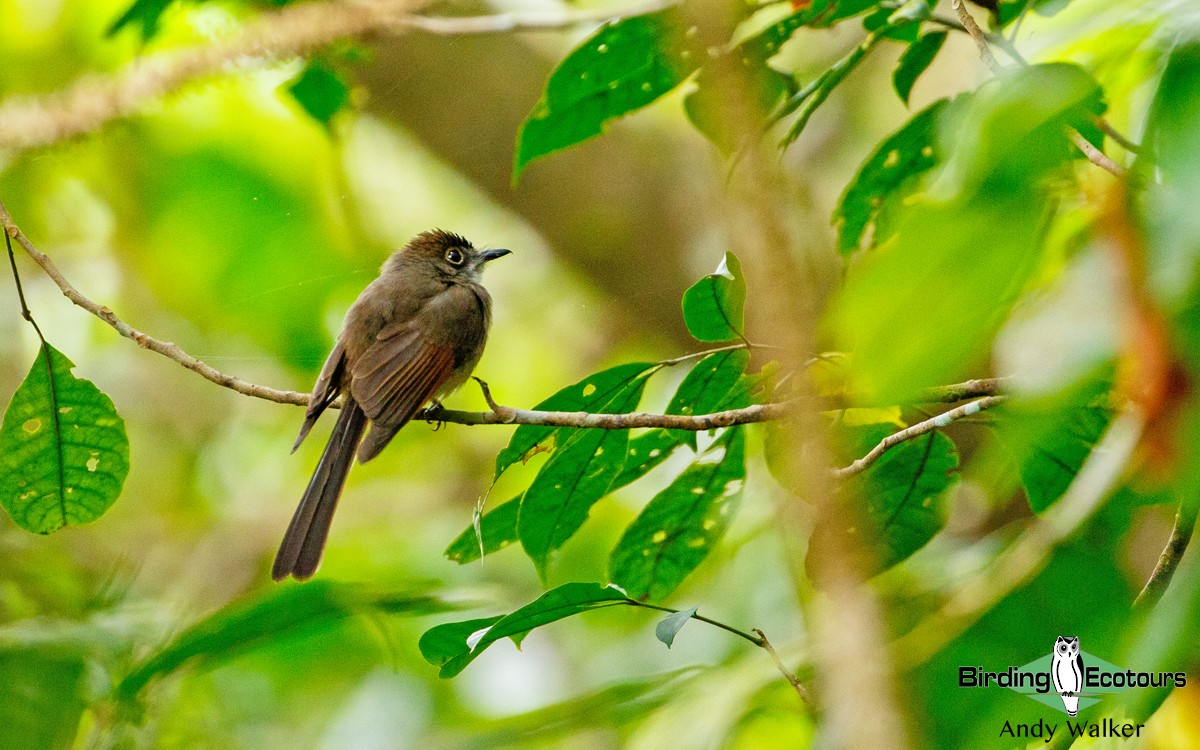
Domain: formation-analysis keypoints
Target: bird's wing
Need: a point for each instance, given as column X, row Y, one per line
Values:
column 325, row 391
column 393, row 378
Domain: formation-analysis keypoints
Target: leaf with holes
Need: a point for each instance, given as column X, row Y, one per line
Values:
column 622, row 67
column 680, row 525
column 902, row 496
column 593, row 394
column 576, row 476
column 63, row 450
column 897, row 162
column 499, row 525
column 713, row 306
column 705, row 387
column 645, row 452
column 915, row 61
column 455, row 645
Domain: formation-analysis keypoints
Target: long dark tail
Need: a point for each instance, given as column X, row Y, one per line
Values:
column 300, row 552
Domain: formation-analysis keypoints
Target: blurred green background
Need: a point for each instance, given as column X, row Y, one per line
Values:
column 226, row 219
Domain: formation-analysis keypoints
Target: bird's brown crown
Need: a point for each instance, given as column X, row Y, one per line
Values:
column 435, row 242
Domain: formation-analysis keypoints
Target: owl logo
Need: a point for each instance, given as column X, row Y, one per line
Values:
column 1067, row 671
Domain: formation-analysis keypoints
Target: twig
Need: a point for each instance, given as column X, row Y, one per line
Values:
column 1177, row 543
column 981, row 39
column 976, row 33
column 942, row 420
column 1095, row 155
column 25, row 313
column 787, row 673
column 527, row 20
column 755, row 636
column 1028, row 554
column 167, row 349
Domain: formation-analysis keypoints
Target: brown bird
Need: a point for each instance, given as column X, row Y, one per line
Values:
column 413, row 336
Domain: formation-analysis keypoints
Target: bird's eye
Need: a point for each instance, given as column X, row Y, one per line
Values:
column 454, row 256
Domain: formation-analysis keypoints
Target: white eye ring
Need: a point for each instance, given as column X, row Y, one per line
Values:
column 454, row 256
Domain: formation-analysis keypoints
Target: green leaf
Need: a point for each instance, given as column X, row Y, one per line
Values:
column 593, row 394
column 285, row 611
column 713, row 306
column 45, row 692
column 320, row 90
column 897, row 162
column 892, row 23
column 498, row 527
column 915, row 61
column 1013, row 131
column 1056, row 458
column 705, row 387
column 145, row 13
column 729, row 121
column 669, row 626
column 680, row 525
column 902, row 496
column 445, row 642
column 448, row 646
column 922, row 310
column 645, row 452
column 64, row 454
column 1173, row 223
column 1049, row 439
column 622, row 67
column 1010, row 10
column 812, row 96
column 576, row 476
column 900, row 32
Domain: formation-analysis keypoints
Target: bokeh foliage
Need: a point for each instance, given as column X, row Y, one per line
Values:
column 242, row 214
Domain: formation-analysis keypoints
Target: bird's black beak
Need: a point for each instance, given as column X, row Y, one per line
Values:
column 493, row 254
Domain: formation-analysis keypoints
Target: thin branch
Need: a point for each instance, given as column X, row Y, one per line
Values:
column 983, row 43
column 1020, row 562
column 1177, row 544
column 929, row 425
column 1095, row 155
column 755, row 636
column 783, row 669
column 167, row 349
column 972, row 28
column 527, row 20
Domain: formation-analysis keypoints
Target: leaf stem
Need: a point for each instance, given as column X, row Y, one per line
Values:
column 755, row 636
column 12, row 260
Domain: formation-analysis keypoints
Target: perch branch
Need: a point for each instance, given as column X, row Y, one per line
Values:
column 497, row 414
column 942, row 420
